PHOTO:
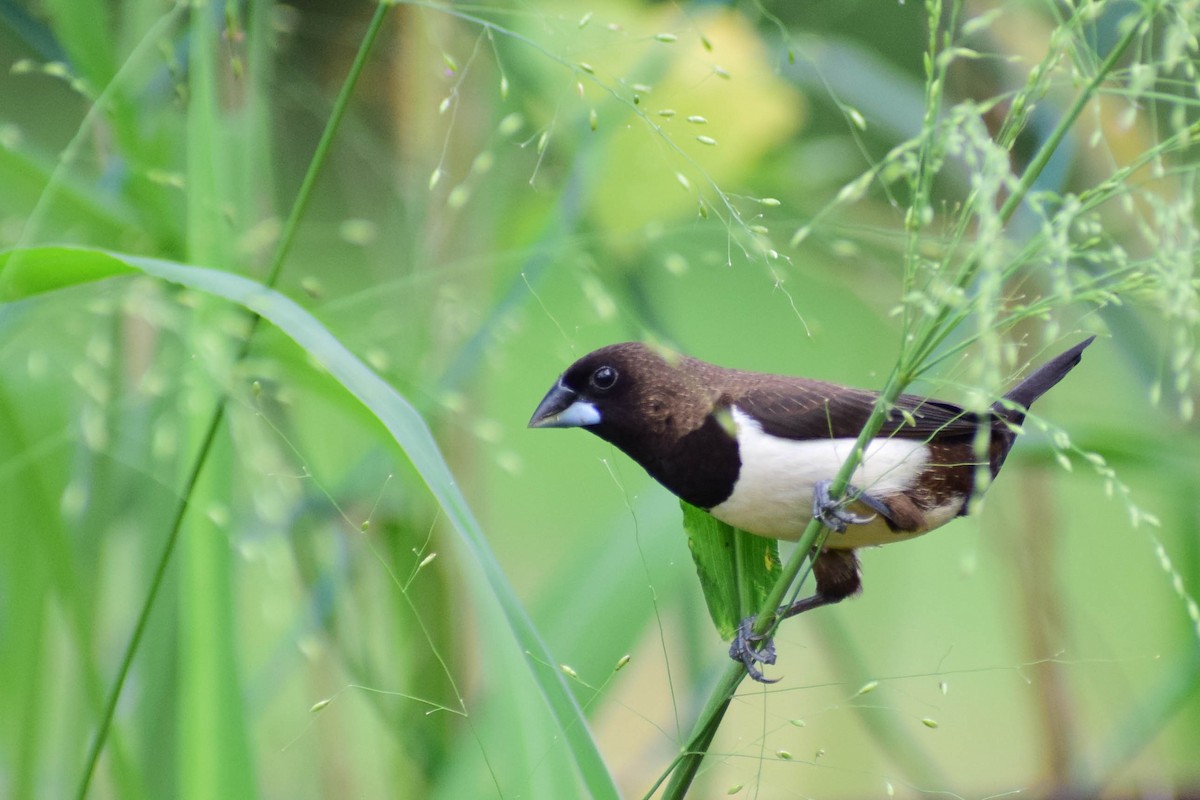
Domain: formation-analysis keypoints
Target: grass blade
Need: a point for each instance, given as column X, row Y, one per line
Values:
column 401, row 419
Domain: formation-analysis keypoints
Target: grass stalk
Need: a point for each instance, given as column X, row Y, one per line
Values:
column 944, row 322
column 910, row 363
column 217, row 420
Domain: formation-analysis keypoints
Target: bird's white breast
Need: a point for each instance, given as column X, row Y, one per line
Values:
column 773, row 495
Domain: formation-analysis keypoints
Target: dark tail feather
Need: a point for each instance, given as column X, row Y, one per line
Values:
column 1012, row 409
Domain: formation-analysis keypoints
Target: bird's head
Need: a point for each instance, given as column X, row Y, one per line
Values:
column 622, row 393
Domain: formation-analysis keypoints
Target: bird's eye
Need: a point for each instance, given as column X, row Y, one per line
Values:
column 604, row 378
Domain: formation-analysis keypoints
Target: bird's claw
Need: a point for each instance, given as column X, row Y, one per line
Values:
column 833, row 513
column 752, row 649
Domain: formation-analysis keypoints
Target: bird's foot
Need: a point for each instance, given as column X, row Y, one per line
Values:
column 752, row 649
column 834, row 514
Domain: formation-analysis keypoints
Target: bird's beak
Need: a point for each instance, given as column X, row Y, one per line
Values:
column 562, row 408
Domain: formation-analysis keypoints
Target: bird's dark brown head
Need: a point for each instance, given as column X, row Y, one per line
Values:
column 629, row 394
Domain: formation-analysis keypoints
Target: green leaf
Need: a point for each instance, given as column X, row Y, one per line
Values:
column 21, row 277
column 24, row 273
column 736, row 569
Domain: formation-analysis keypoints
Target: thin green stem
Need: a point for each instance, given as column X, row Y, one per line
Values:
column 160, row 571
column 304, row 193
column 909, row 364
column 922, row 183
column 1048, row 148
column 303, row 196
column 686, row 765
column 937, row 330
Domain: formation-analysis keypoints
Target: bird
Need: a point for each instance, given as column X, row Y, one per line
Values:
column 759, row 451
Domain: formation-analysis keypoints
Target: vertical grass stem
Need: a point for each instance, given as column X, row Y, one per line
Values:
column 218, row 417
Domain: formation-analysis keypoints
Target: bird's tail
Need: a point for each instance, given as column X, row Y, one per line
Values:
column 1010, row 411
column 1014, row 405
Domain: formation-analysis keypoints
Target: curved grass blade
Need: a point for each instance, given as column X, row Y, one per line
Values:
column 28, row 272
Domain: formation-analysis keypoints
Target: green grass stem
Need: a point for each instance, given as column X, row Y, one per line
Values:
column 909, row 365
column 217, row 420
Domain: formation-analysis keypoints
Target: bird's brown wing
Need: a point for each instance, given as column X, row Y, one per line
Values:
column 796, row 408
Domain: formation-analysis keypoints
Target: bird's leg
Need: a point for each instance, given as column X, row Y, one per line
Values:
column 834, row 514
column 752, row 648
column 837, row 577
column 758, row 648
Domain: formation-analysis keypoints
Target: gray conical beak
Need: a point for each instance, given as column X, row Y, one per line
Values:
column 562, row 408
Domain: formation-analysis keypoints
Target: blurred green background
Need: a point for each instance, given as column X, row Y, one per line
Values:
column 513, row 186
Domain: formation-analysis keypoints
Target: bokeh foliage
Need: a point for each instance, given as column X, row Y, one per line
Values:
column 514, row 185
